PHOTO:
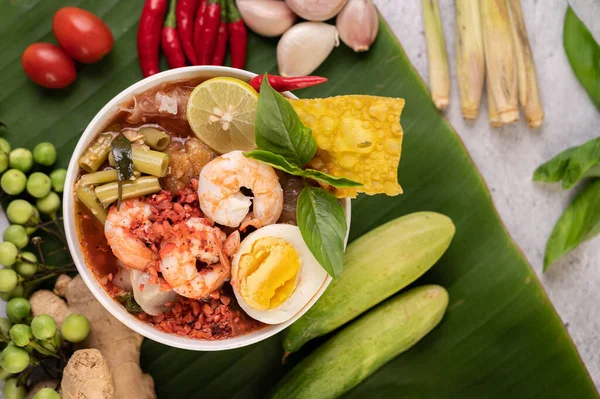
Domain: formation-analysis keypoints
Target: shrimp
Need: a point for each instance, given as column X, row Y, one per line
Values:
column 222, row 201
column 196, row 240
column 118, row 231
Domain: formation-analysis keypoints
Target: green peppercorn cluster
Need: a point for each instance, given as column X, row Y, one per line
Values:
column 34, row 195
column 30, row 189
column 29, row 341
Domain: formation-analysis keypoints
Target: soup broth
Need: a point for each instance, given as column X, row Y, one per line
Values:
column 218, row 315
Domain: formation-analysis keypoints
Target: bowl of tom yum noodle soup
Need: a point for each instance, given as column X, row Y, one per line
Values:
column 207, row 215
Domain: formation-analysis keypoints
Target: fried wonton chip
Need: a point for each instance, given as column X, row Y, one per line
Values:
column 359, row 138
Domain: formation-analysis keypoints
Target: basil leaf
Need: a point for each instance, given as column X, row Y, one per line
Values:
column 331, row 180
column 583, row 53
column 121, row 152
column 275, row 160
column 580, row 222
column 322, row 223
column 572, row 165
column 278, row 128
column 279, row 162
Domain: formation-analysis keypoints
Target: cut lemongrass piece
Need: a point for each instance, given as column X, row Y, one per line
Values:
column 529, row 95
column 101, row 177
column 439, row 74
column 499, row 59
column 88, row 197
column 492, row 110
column 470, row 61
column 108, row 193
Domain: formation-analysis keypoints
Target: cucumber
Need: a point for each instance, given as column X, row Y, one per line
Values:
column 358, row 350
column 376, row 266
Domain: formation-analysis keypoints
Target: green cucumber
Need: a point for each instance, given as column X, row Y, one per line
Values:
column 376, row 266
column 364, row 346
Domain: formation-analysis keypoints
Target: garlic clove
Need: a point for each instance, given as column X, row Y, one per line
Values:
column 316, row 10
column 266, row 17
column 304, row 47
column 358, row 24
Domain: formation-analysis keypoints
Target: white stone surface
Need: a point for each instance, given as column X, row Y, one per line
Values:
column 508, row 156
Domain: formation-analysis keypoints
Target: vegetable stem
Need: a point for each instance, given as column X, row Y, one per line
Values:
column 470, row 61
column 529, row 95
column 499, row 59
column 108, row 193
column 97, row 153
column 492, row 110
column 155, row 138
column 147, row 161
column 88, row 197
column 439, row 75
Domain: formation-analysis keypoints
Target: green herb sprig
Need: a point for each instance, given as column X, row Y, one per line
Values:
column 572, row 165
column 581, row 220
column 286, row 144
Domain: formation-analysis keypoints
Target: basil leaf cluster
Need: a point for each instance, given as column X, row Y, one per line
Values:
column 286, row 144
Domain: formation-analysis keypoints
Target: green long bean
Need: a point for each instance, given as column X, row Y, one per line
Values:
column 101, row 177
column 155, row 138
column 146, row 161
column 97, row 153
column 108, row 193
column 88, row 197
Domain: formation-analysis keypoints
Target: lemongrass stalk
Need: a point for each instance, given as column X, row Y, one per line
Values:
column 500, row 59
column 439, row 75
column 529, row 95
column 108, row 193
column 492, row 110
column 470, row 61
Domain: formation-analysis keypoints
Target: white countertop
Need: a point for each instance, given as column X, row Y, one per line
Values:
column 508, row 156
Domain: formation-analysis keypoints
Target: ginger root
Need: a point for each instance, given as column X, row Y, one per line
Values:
column 118, row 345
column 87, row 375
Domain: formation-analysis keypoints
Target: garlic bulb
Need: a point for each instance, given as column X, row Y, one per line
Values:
column 316, row 10
column 304, row 47
column 266, row 17
column 357, row 24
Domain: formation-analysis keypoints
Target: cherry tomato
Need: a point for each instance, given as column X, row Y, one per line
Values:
column 48, row 65
column 84, row 36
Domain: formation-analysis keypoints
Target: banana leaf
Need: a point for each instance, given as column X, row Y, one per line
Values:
column 500, row 337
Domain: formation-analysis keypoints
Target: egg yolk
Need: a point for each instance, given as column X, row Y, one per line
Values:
column 267, row 273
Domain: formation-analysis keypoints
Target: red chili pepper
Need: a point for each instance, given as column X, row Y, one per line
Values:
column 281, row 83
column 148, row 36
column 221, row 46
column 198, row 23
column 185, row 12
column 210, row 30
column 238, row 36
column 170, row 41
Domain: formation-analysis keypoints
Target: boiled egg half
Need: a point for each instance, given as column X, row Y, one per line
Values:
column 274, row 275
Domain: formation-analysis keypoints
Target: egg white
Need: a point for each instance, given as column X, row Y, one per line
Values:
column 311, row 275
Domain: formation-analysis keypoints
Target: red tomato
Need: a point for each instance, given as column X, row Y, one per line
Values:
column 48, row 65
column 84, row 36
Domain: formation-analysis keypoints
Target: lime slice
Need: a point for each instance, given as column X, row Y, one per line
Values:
column 221, row 112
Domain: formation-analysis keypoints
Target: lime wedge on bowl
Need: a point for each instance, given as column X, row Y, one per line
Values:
column 221, row 112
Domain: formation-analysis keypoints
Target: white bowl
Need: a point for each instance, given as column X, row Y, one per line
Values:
column 118, row 311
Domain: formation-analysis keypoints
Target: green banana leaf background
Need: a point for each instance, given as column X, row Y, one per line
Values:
column 500, row 337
